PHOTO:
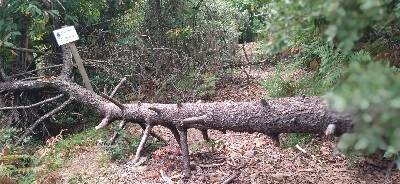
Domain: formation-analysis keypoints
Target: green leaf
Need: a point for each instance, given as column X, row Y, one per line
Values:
column 390, row 152
column 54, row 13
column 346, row 141
column 395, row 103
column 361, row 144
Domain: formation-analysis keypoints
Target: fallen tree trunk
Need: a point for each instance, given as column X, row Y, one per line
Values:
column 271, row 117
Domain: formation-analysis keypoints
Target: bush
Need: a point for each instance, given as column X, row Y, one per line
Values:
column 370, row 92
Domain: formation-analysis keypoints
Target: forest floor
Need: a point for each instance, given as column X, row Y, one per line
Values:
column 252, row 158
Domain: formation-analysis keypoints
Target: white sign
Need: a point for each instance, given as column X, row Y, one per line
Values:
column 65, row 35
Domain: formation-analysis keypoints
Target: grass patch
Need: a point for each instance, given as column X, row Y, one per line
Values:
column 67, row 147
column 290, row 140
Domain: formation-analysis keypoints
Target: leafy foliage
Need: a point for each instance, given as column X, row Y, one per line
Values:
column 375, row 105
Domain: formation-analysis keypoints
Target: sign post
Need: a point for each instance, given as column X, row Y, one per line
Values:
column 66, row 36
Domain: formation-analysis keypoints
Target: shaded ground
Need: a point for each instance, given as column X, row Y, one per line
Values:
column 253, row 157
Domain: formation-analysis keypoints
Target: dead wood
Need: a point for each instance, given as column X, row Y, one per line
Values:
column 41, row 119
column 270, row 117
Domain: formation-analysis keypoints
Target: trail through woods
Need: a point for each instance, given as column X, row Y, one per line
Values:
column 253, row 158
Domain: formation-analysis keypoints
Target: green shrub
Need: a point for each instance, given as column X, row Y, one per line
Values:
column 7, row 136
column 371, row 92
column 279, row 87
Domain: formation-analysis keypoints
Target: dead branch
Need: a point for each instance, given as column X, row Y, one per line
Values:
column 166, row 179
column 184, row 151
column 142, row 143
column 34, row 105
column 114, row 101
column 41, row 119
column 31, row 50
column 153, row 134
column 3, row 76
column 275, row 116
column 116, row 134
column 210, row 165
column 117, row 87
column 29, row 72
column 231, row 178
column 245, row 53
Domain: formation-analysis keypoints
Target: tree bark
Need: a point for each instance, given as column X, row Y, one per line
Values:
column 283, row 115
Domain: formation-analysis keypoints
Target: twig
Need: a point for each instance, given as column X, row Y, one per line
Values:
column 305, row 152
column 37, row 122
column 116, row 134
column 116, row 102
column 245, row 54
column 165, row 177
column 140, row 148
column 34, row 105
column 210, row 165
column 117, row 87
column 32, row 78
column 389, row 172
column 231, row 178
column 153, row 134
column 104, row 122
column 301, row 149
column 45, row 68
column 3, row 76
column 31, row 50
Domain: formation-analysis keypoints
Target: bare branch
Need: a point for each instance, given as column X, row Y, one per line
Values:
column 31, row 50
column 184, row 152
column 231, row 178
column 29, row 72
column 142, row 143
column 104, row 122
column 34, row 105
column 153, row 134
column 116, row 102
column 166, row 179
column 116, row 134
column 41, row 119
column 117, row 87
column 3, row 76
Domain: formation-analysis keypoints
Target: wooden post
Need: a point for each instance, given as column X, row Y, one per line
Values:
column 66, row 36
column 79, row 63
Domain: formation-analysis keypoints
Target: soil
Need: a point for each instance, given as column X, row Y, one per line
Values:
column 252, row 158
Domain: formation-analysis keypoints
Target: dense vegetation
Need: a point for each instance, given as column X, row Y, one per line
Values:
column 175, row 51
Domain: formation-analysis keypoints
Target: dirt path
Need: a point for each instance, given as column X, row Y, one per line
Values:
column 253, row 157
